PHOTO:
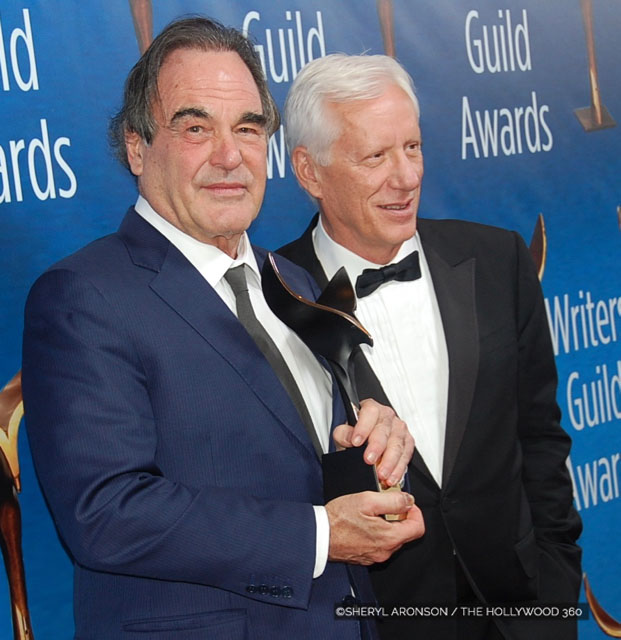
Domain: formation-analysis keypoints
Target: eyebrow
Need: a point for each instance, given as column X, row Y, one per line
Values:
column 192, row 112
column 250, row 117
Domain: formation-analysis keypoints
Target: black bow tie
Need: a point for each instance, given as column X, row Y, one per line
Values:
column 370, row 279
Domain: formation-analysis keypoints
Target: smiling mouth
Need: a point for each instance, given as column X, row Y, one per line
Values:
column 396, row 206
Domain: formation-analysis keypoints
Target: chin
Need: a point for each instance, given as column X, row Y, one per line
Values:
column 402, row 234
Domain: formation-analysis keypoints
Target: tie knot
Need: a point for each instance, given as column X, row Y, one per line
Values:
column 389, row 272
column 370, row 279
column 236, row 277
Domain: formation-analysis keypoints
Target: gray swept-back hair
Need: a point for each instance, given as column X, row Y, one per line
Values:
column 336, row 78
column 141, row 91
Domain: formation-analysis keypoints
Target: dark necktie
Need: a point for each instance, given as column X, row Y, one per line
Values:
column 236, row 277
column 370, row 279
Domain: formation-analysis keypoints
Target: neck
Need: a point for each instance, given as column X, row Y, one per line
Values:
column 377, row 254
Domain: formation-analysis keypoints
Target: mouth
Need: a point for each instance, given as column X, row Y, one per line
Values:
column 227, row 189
column 396, row 206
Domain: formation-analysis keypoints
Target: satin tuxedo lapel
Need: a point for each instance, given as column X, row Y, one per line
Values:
column 182, row 287
column 453, row 282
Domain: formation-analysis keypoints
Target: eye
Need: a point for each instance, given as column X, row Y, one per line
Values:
column 374, row 159
column 195, row 132
column 250, row 130
column 413, row 147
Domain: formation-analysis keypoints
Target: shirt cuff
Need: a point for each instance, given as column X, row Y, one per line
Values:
column 322, row 542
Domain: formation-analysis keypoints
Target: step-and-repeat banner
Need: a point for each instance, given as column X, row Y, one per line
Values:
column 521, row 119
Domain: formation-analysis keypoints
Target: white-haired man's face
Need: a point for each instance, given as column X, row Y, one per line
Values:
column 369, row 192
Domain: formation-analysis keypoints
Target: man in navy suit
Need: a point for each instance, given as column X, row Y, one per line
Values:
column 182, row 477
column 461, row 350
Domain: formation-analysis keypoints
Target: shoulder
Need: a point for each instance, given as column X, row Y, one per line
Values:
column 453, row 230
column 102, row 257
column 98, row 255
column 457, row 240
column 135, row 244
column 101, row 270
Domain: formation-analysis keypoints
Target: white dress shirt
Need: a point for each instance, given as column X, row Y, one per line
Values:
column 313, row 380
column 409, row 353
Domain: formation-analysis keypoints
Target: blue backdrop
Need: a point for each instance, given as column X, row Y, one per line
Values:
column 498, row 89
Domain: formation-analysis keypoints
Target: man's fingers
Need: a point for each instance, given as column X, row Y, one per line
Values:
column 398, row 453
column 381, row 503
column 358, row 533
column 370, row 418
column 342, row 435
column 413, row 527
column 387, row 436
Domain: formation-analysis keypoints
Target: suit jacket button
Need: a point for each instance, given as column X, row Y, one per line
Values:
column 286, row 592
column 275, row 592
column 264, row 589
column 251, row 588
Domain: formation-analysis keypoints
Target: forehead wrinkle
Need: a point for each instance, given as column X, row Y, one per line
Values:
column 221, row 84
column 205, row 96
column 206, row 87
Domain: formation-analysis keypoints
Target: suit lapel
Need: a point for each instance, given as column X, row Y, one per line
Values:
column 182, row 287
column 453, row 281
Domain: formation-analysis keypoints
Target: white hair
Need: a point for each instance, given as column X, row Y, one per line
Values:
column 336, row 78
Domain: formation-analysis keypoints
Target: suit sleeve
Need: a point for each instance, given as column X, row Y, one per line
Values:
column 545, row 445
column 93, row 438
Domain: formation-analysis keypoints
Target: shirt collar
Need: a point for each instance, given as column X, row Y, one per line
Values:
column 211, row 262
column 333, row 256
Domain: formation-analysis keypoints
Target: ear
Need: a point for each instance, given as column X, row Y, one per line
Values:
column 135, row 146
column 306, row 171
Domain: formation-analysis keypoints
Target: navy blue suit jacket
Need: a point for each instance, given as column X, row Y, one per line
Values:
column 177, row 470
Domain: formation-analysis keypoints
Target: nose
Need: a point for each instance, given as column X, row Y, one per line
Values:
column 407, row 172
column 226, row 152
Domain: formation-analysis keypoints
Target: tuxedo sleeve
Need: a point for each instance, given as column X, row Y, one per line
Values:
column 545, row 445
column 93, row 438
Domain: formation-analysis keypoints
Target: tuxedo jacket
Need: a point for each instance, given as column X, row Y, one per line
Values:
column 178, row 472
column 504, row 512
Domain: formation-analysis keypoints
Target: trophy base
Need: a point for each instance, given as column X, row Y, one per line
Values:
column 589, row 122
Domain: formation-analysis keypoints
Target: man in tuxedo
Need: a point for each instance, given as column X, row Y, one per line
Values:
column 461, row 351
column 175, row 423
